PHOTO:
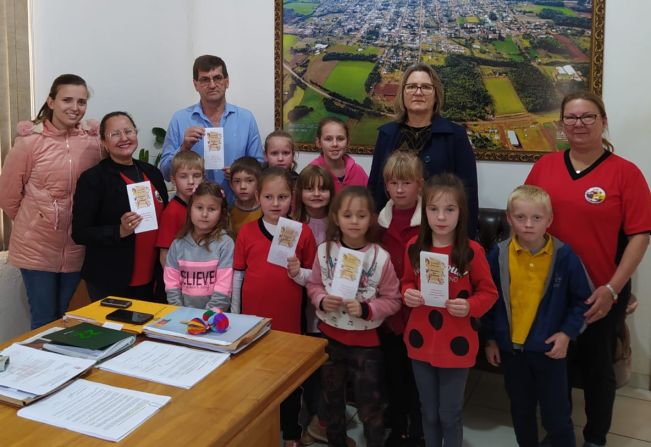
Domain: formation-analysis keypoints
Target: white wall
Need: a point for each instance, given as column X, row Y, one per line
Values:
column 137, row 56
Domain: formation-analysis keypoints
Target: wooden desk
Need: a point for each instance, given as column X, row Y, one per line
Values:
column 236, row 405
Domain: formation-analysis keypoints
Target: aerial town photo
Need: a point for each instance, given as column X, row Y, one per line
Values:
column 505, row 64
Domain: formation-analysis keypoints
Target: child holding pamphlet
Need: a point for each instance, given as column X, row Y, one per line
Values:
column 448, row 285
column 199, row 267
column 265, row 289
column 354, row 287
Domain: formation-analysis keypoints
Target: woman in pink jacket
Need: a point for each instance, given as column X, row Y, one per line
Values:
column 38, row 182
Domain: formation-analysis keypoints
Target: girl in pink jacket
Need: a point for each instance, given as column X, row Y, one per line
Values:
column 332, row 137
column 38, row 182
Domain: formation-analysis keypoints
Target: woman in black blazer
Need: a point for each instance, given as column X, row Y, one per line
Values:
column 118, row 261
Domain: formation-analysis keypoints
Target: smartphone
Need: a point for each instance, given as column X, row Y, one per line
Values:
column 114, row 302
column 129, row 316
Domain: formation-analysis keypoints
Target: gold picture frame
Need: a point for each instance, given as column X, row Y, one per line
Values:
column 535, row 133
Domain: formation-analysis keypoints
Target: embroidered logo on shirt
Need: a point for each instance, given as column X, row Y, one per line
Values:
column 595, row 195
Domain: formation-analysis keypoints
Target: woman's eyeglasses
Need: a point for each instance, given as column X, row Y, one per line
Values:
column 116, row 134
column 587, row 119
column 425, row 89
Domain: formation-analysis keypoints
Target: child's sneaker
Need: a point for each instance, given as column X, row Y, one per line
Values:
column 316, row 430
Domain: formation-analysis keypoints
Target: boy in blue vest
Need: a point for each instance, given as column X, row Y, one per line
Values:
column 542, row 286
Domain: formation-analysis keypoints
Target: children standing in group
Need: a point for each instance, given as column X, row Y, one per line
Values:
column 253, row 276
column 543, row 287
column 245, row 175
column 443, row 342
column 280, row 152
column 198, row 272
column 351, row 325
column 332, row 137
column 187, row 173
column 399, row 221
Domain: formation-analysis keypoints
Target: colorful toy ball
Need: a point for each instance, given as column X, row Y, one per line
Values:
column 218, row 321
column 197, row 326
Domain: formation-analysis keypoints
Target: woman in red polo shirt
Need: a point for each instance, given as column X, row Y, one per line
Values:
column 118, row 261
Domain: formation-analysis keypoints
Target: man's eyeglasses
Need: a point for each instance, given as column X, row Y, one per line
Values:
column 116, row 134
column 426, row 89
column 587, row 119
column 206, row 80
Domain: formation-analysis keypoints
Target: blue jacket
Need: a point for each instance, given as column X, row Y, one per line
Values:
column 447, row 150
column 561, row 308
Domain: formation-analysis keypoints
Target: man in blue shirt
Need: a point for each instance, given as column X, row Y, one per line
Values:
column 186, row 129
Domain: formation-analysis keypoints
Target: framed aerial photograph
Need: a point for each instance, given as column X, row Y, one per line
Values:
column 505, row 66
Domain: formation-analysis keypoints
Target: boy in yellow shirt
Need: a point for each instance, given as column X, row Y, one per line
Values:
column 245, row 174
column 542, row 286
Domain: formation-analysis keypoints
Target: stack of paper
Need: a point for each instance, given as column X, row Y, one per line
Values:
column 95, row 409
column 243, row 330
column 167, row 364
column 33, row 374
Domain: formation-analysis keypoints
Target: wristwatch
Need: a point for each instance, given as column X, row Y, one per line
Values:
column 611, row 289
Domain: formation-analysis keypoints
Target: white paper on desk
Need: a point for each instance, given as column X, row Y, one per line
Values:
column 348, row 271
column 39, row 372
column 141, row 201
column 434, row 278
column 164, row 363
column 213, row 148
column 284, row 242
column 95, row 409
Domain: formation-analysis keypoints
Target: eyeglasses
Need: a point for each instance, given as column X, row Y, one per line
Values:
column 426, row 89
column 206, row 80
column 587, row 119
column 116, row 134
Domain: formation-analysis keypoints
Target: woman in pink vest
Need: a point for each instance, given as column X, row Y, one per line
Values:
column 38, row 183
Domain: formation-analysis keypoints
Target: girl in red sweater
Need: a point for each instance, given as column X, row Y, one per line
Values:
column 442, row 342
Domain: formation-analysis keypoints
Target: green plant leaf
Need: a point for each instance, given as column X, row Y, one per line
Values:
column 159, row 134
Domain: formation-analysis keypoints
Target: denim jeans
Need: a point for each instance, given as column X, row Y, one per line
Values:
column 48, row 294
column 441, row 399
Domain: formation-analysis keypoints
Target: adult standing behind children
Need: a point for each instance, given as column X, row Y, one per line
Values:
column 187, row 126
column 38, row 182
column 118, row 261
column 442, row 145
column 602, row 208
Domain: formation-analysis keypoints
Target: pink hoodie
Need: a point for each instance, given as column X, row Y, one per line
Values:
column 38, row 183
column 353, row 176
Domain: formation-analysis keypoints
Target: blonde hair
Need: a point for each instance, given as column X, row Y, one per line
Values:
column 279, row 133
column 529, row 193
column 403, row 165
column 188, row 160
